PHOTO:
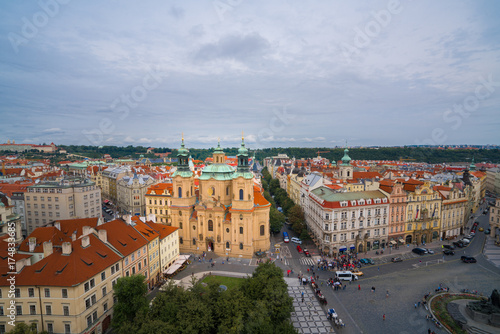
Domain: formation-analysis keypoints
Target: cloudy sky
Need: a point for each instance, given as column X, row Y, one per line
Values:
column 287, row 73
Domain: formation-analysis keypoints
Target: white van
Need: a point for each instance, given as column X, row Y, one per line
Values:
column 345, row 276
column 296, row 240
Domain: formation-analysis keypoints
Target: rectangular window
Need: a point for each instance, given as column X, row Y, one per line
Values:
column 31, row 292
column 105, row 307
column 17, row 293
column 103, row 276
column 19, row 310
column 47, row 292
column 48, row 309
column 104, row 291
column 50, row 328
column 67, row 328
column 66, row 310
column 32, row 309
column 64, row 293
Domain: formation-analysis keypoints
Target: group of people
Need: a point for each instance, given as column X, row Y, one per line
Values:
column 339, row 262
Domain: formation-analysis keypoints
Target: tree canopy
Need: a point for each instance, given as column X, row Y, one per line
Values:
column 260, row 305
column 131, row 302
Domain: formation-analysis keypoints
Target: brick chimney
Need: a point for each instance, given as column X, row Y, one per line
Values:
column 86, row 230
column 127, row 219
column 85, row 241
column 103, row 236
column 47, row 248
column 32, row 244
column 66, row 248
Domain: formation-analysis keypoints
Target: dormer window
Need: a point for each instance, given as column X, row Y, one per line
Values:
column 369, row 201
column 353, row 203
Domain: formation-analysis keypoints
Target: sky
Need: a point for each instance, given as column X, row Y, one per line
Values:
column 283, row 73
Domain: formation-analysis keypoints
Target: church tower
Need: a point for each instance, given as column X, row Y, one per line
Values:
column 345, row 167
column 184, row 197
column 242, row 181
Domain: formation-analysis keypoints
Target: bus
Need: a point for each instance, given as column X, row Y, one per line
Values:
column 285, row 237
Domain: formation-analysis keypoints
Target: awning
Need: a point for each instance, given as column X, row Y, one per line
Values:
column 342, row 248
column 352, row 247
column 393, row 242
column 401, row 240
column 172, row 269
column 106, row 201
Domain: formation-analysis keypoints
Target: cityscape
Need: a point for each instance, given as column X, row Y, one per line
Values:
column 249, row 167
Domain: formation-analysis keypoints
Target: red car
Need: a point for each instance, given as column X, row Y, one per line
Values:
column 306, row 252
column 299, row 249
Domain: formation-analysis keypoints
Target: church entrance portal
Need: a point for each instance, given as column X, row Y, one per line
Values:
column 210, row 246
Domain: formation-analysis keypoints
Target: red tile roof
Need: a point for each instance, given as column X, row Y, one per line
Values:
column 68, row 270
column 146, row 231
column 68, row 226
column 43, row 234
column 163, row 230
column 123, row 237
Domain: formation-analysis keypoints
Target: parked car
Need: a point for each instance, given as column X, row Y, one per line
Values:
column 470, row 236
column 296, row 240
column 430, row 251
column 481, row 229
column 397, row 259
column 488, row 231
column 450, row 247
column 468, row 259
column 458, row 244
column 306, row 252
column 366, row 261
column 299, row 249
column 448, row 252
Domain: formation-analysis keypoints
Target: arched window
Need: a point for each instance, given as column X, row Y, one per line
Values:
column 241, row 194
column 227, row 244
column 241, row 245
column 227, row 191
column 180, row 192
column 262, row 230
column 180, row 225
column 194, row 241
column 210, row 225
column 241, row 230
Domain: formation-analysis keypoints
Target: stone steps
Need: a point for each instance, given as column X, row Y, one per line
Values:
column 475, row 330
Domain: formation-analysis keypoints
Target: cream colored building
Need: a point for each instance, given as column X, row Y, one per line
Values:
column 495, row 220
column 423, row 215
column 131, row 191
column 73, row 197
column 10, row 223
column 454, row 214
column 158, row 201
column 229, row 216
column 69, row 291
column 110, row 177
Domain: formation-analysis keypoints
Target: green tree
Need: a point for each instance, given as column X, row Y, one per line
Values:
column 276, row 220
column 296, row 218
column 22, row 328
column 131, row 301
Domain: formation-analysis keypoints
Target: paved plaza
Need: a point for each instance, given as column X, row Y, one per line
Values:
column 308, row 316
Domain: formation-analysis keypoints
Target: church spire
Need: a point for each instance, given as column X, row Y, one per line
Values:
column 242, row 155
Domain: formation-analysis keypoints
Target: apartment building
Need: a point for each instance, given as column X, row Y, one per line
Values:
column 495, row 221
column 397, row 211
column 423, row 214
column 73, row 197
column 343, row 222
column 153, row 247
column 109, row 178
column 131, row 191
column 158, row 200
column 454, row 214
column 68, row 291
column 10, row 223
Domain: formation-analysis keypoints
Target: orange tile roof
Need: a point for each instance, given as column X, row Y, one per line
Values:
column 68, row 226
column 160, row 188
column 123, row 237
column 42, row 234
column 366, row 175
column 163, row 230
column 68, row 270
column 9, row 188
column 259, row 199
column 146, row 231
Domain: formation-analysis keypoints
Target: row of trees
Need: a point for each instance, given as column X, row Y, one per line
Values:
column 420, row 154
column 278, row 198
column 260, row 305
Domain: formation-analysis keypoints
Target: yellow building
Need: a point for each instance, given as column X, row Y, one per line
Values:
column 423, row 215
column 228, row 216
column 158, row 202
column 153, row 248
column 454, row 214
column 69, row 291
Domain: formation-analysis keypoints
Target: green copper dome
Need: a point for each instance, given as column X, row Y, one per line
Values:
column 346, row 159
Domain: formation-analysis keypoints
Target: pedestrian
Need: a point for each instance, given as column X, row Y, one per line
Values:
column 378, row 268
column 373, row 289
column 415, row 305
column 359, row 286
column 344, row 287
column 383, row 317
column 418, row 304
column 302, row 298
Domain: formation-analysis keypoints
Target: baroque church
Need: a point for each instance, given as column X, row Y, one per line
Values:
column 227, row 213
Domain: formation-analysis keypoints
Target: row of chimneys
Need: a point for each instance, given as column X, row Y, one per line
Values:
column 67, row 246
